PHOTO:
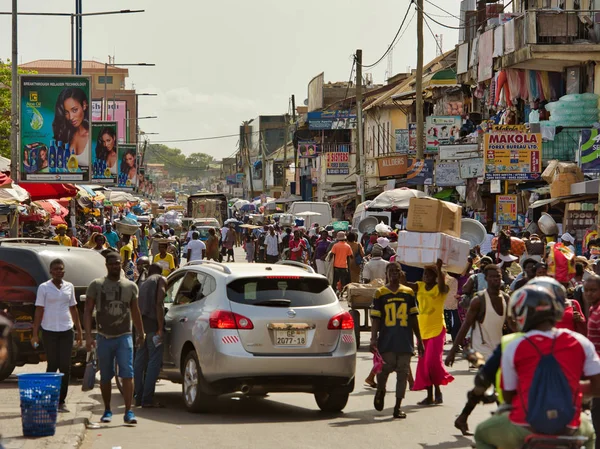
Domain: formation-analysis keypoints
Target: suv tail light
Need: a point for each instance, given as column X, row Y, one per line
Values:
column 223, row 319
column 341, row 321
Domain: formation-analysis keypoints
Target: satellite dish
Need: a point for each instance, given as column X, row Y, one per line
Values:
column 306, row 102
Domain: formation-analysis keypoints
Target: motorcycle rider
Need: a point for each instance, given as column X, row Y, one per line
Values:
column 536, row 310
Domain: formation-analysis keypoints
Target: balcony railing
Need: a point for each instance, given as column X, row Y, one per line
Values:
column 555, row 27
column 337, row 147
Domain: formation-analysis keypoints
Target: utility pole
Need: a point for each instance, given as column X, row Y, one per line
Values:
column 295, row 146
column 287, row 133
column 14, row 151
column 419, row 84
column 261, row 146
column 360, row 157
column 247, row 157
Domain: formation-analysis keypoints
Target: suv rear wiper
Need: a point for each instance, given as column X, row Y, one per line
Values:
column 273, row 303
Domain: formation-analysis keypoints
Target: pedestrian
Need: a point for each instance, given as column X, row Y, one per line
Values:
column 569, row 241
column 297, row 245
column 61, row 237
column 126, row 252
column 196, row 249
column 451, row 317
column 229, row 243
column 212, row 245
column 148, row 358
column 56, row 313
column 526, row 275
column 142, row 264
column 341, row 253
column 143, row 241
column 116, row 303
column 376, row 267
column 431, row 373
column 506, row 261
column 188, row 237
column 250, row 247
column 394, row 328
column 320, row 252
column 164, row 259
column 358, row 255
column 272, row 242
column 74, row 240
column 111, row 236
column 97, row 242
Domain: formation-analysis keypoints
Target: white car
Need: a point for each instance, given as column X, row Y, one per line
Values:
column 255, row 329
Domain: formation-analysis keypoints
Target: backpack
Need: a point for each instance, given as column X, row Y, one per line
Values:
column 550, row 399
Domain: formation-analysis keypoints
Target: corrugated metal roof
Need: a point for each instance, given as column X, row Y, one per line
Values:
column 65, row 64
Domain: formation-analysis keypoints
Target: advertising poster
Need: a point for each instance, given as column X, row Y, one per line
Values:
column 308, row 149
column 127, row 168
column 471, row 168
column 412, row 137
column 506, row 210
column 447, row 174
column 513, row 156
column 117, row 112
column 402, row 141
column 420, row 172
column 441, row 130
column 104, row 152
column 589, row 151
column 392, row 167
column 55, row 136
column 338, row 162
column 325, row 120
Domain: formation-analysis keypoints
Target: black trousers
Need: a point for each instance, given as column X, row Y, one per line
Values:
column 58, row 347
column 272, row 259
column 342, row 275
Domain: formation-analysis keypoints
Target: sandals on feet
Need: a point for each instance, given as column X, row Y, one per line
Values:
column 439, row 399
column 426, row 401
column 371, row 383
column 398, row 413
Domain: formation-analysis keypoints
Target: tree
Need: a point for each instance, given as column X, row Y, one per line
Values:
column 176, row 163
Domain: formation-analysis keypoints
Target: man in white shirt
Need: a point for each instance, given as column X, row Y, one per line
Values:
column 375, row 268
column 188, row 237
column 56, row 312
column 196, row 249
column 272, row 241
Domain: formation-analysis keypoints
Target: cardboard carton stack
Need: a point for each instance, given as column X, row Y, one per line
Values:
column 560, row 176
column 433, row 232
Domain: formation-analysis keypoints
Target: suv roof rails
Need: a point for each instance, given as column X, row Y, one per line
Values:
column 210, row 263
column 29, row 240
column 293, row 263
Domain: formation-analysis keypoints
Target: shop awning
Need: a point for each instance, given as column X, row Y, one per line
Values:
column 4, row 164
column 13, row 195
column 563, row 199
column 49, row 191
column 441, row 78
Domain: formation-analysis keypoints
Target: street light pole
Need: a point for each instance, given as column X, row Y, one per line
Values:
column 14, row 151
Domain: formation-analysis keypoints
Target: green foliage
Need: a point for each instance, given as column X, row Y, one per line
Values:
column 176, row 163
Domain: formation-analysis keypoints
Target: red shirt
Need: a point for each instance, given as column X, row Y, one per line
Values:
column 299, row 246
column 593, row 327
column 574, row 352
column 568, row 321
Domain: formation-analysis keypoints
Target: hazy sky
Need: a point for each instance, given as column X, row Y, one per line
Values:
column 221, row 62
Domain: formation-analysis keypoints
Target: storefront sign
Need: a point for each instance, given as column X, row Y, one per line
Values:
column 338, row 162
column 589, row 148
column 506, row 210
column 420, row 172
column 412, row 137
column 441, row 130
column 513, row 156
column 239, row 178
column 447, row 174
column 392, row 167
column 402, row 141
column 230, row 179
column 325, row 120
column 307, row 149
column 52, row 147
column 127, row 175
column 105, row 158
column 471, row 168
column 116, row 112
column 238, row 192
column 455, row 152
column 509, row 128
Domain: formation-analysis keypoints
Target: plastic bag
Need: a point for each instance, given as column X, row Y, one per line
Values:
column 561, row 262
column 89, row 376
column 377, row 362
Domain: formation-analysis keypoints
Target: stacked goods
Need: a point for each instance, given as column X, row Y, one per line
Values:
column 433, row 232
column 560, row 176
column 361, row 295
column 574, row 110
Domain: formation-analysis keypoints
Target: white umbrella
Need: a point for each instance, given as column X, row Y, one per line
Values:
column 399, row 198
column 308, row 213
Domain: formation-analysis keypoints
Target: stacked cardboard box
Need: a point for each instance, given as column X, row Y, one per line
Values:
column 433, row 232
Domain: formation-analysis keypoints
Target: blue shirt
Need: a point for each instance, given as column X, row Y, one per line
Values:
column 112, row 238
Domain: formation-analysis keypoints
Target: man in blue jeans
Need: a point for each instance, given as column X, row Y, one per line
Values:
column 148, row 358
column 116, row 303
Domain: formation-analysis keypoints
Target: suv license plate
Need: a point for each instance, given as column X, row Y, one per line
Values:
column 290, row 338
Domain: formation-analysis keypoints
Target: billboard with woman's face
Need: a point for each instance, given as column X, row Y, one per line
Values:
column 55, row 137
column 105, row 158
column 127, row 177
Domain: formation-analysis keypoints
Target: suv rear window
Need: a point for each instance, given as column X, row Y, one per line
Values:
column 81, row 266
column 281, row 291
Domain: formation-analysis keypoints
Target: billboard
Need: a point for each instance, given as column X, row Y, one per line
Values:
column 589, row 147
column 308, row 149
column 127, row 167
column 116, row 112
column 402, row 141
column 441, row 130
column 420, row 172
column 54, row 143
column 327, row 120
column 104, row 152
column 338, row 162
column 392, row 167
column 447, row 174
column 513, row 156
column 506, row 210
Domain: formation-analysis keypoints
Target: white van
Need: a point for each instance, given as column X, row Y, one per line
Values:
column 324, row 209
column 361, row 213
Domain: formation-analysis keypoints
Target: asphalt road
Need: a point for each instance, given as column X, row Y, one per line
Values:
column 292, row 420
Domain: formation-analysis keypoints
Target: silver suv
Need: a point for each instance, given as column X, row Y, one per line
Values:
column 255, row 329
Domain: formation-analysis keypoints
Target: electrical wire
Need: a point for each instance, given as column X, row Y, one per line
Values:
column 391, row 46
column 477, row 25
column 436, row 42
column 443, row 10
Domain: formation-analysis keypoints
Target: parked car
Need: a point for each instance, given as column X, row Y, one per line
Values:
column 255, row 329
column 209, row 222
column 24, row 265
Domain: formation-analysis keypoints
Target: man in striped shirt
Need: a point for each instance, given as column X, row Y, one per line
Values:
column 591, row 295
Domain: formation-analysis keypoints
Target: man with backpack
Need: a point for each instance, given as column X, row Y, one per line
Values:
column 541, row 372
